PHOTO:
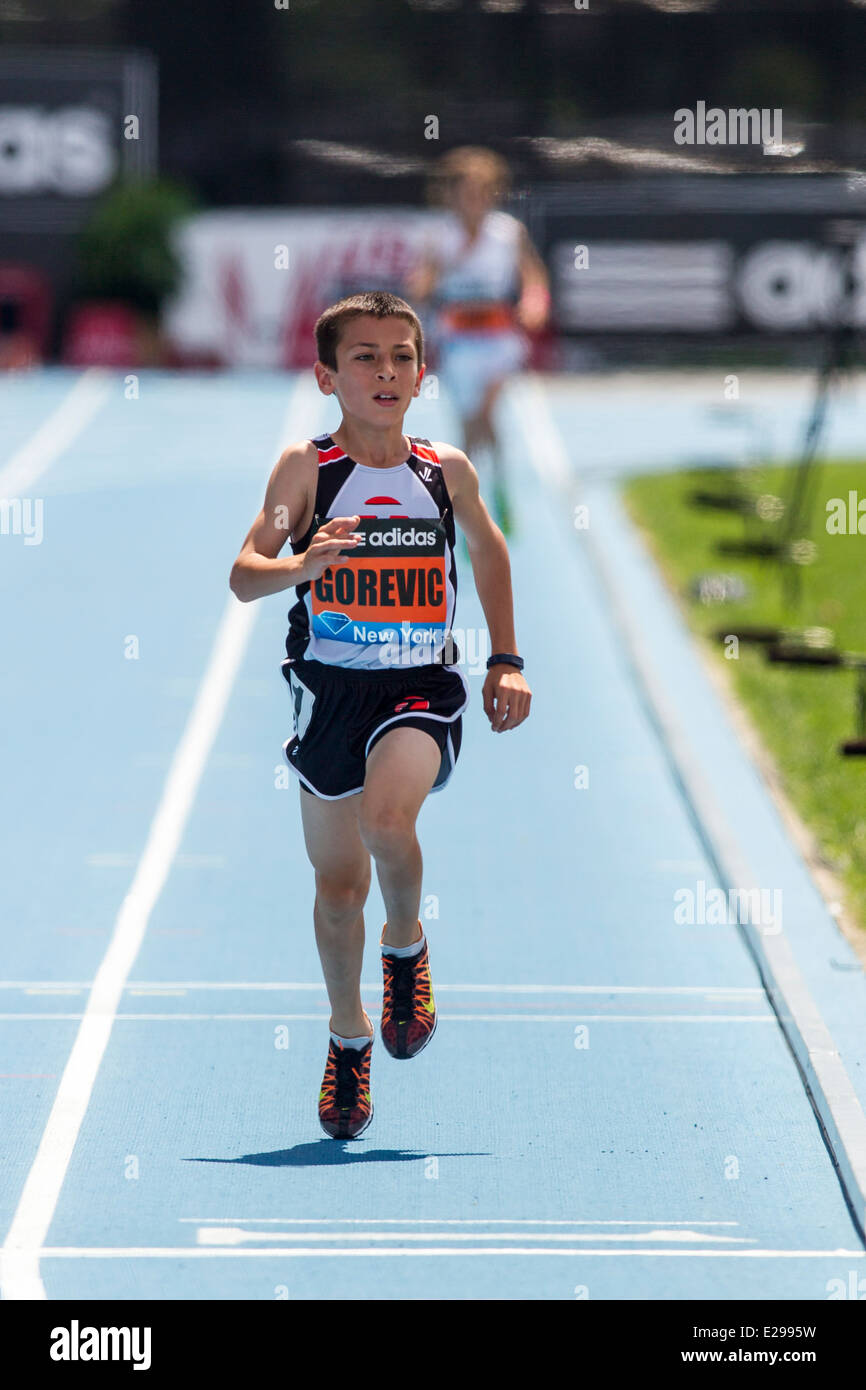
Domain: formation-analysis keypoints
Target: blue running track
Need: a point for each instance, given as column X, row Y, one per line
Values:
column 609, row 1109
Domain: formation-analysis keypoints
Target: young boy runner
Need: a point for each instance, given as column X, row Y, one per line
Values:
column 377, row 692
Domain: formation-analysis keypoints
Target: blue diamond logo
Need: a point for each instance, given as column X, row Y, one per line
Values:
column 334, row 622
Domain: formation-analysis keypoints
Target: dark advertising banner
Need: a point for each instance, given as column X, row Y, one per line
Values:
column 698, row 255
column 71, row 120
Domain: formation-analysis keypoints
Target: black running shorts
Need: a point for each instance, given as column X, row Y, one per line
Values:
column 340, row 713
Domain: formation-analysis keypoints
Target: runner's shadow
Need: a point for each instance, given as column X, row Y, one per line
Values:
column 330, row 1153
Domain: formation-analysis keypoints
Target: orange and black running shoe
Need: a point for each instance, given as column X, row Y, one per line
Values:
column 408, row 1006
column 345, row 1104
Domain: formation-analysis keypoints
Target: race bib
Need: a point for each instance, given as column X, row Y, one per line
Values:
column 389, row 589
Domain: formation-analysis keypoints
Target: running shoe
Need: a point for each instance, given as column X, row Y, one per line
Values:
column 345, row 1104
column 408, row 1006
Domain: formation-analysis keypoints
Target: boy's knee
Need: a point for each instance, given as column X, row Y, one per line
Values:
column 386, row 830
column 341, row 896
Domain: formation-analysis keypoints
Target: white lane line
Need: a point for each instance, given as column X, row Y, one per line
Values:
column 232, row 1235
column 19, row 1277
column 722, row 991
column 19, row 1264
column 430, row 1221
column 55, row 434
column 170, row 1017
column 120, row 859
column 143, row 1252
column 825, row 1079
column 53, row 992
column 158, row 993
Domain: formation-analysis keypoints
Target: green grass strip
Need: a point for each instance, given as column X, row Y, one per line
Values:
column 802, row 714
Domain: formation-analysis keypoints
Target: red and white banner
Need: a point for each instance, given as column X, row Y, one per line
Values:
column 256, row 281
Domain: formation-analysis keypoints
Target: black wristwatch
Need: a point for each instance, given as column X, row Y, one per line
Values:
column 505, row 659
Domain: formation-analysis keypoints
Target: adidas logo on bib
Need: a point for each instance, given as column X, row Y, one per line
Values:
column 397, row 537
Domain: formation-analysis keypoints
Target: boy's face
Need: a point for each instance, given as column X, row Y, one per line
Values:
column 378, row 372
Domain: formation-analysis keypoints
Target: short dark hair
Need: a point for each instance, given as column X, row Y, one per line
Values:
column 380, row 304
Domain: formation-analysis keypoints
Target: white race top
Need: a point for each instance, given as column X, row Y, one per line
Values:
column 485, row 269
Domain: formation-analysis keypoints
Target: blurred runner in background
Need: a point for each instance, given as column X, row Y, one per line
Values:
column 488, row 287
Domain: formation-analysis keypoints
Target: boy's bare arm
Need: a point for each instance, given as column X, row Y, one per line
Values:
column 258, row 571
column 506, row 694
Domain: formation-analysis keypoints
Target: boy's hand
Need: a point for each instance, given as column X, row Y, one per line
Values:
column 329, row 540
column 506, row 698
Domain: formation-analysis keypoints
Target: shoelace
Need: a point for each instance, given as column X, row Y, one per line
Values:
column 347, row 1079
column 402, row 985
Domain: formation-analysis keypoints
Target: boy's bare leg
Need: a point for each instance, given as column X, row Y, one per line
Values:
column 401, row 769
column 342, row 867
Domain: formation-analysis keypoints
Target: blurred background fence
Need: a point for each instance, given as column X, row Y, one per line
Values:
column 314, row 127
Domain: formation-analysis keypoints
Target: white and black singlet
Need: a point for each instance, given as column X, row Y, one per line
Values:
column 370, row 642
